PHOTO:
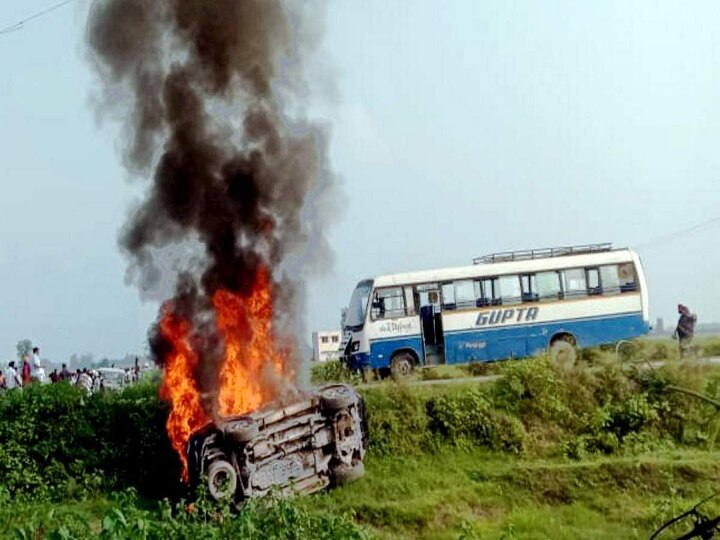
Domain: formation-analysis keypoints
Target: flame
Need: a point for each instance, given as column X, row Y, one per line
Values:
column 253, row 362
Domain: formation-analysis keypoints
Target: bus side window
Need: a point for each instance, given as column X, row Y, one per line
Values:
column 529, row 288
column 465, row 293
column 388, row 303
column 409, row 301
column 574, row 284
column 609, row 279
column 626, row 274
column 548, row 286
column 592, row 276
column 490, row 293
column 510, row 289
column 448, row 296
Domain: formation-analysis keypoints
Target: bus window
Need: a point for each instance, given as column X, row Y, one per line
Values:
column 529, row 288
column 574, row 284
column 465, row 293
column 448, row 296
column 388, row 303
column 428, row 295
column 490, row 293
column 548, row 286
column 409, row 301
column 510, row 291
column 592, row 276
column 627, row 278
column 609, row 279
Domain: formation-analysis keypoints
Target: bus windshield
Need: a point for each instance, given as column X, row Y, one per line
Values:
column 358, row 305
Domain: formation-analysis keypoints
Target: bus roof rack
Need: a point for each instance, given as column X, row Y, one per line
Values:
column 542, row 253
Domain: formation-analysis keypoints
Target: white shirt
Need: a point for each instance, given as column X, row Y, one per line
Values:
column 11, row 378
column 39, row 374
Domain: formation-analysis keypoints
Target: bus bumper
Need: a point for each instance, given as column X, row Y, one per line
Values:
column 357, row 361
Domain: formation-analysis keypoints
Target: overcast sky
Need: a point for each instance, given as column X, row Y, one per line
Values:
column 457, row 130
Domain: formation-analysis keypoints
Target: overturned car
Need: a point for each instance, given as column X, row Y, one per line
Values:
column 299, row 448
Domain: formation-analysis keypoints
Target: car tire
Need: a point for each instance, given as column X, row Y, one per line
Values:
column 222, row 480
column 243, row 430
column 343, row 474
column 337, row 397
column 563, row 353
column 402, row 366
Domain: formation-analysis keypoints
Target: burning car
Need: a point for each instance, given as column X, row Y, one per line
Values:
column 299, row 448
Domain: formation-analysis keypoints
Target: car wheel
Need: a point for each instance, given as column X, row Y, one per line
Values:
column 222, row 480
column 402, row 365
column 347, row 473
column 563, row 353
column 337, row 396
column 243, row 430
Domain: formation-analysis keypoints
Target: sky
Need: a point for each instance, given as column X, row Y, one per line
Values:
column 457, row 129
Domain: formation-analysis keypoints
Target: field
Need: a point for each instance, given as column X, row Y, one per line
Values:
column 607, row 450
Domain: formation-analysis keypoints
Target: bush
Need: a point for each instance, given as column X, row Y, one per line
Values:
column 469, row 418
column 333, row 371
column 397, row 421
column 57, row 442
column 131, row 517
column 532, row 389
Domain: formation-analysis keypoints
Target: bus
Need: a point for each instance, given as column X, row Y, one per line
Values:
column 505, row 305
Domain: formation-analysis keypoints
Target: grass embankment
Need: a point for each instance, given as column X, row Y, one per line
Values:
column 601, row 452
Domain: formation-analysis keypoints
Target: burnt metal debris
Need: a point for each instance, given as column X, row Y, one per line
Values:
column 303, row 447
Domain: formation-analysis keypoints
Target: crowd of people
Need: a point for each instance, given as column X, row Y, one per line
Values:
column 30, row 370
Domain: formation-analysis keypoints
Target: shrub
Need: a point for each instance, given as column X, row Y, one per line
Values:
column 333, row 371
column 397, row 421
column 57, row 442
column 532, row 389
column 470, row 418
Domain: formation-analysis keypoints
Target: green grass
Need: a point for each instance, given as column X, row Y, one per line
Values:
column 457, row 494
column 485, row 495
column 600, row 451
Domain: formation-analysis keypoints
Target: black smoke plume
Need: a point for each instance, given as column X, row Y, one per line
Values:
column 206, row 88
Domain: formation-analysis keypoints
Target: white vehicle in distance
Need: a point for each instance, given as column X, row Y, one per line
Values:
column 505, row 305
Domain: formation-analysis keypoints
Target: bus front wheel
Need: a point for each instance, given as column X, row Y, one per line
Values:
column 563, row 352
column 402, row 365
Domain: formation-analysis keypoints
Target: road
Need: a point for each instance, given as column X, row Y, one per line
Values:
column 489, row 378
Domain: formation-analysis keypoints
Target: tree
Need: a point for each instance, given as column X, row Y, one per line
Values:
column 24, row 346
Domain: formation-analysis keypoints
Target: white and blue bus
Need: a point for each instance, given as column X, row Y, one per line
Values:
column 505, row 305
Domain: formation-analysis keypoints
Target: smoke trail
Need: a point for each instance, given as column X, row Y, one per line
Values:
column 207, row 86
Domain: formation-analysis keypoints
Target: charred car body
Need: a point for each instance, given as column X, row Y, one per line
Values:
column 299, row 448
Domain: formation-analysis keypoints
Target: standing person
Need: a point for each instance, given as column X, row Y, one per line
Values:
column 64, row 373
column 3, row 386
column 26, row 371
column 36, row 358
column 13, row 379
column 685, row 330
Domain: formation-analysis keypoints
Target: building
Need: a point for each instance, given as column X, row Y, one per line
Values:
column 326, row 344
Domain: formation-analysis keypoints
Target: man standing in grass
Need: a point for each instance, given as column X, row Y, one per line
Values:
column 12, row 377
column 685, row 330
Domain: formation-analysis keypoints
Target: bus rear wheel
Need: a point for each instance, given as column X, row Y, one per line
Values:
column 563, row 352
column 402, row 365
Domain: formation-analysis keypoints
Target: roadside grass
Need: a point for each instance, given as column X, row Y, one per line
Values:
column 456, row 494
column 641, row 350
column 451, row 494
column 604, row 450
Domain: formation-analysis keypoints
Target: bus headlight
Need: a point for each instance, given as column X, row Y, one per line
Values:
column 355, row 347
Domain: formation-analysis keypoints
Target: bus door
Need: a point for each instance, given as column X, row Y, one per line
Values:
column 428, row 302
